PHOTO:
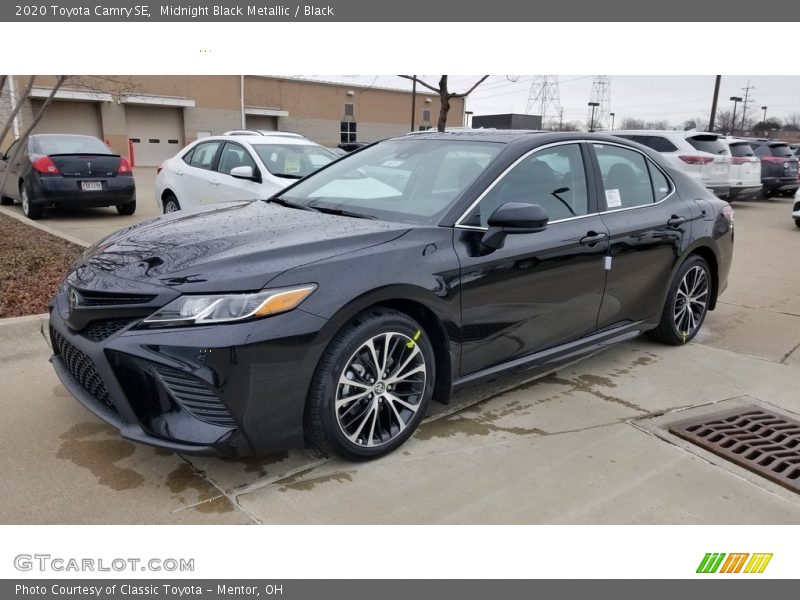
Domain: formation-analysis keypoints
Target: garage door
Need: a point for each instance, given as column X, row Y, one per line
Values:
column 261, row 122
column 69, row 117
column 155, row 132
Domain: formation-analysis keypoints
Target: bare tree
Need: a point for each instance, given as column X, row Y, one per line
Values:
column 15, row 110
column 60, row 79
column 724, row 122
column 792, row 122
column 444, row 95
column 630, row 123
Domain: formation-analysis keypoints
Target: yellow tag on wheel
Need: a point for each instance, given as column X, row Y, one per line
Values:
column 413, row 342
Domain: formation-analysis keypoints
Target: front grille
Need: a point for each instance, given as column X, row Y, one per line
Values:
column 95, row 298
column 82, row 370
column 97, row 332
column 197, row 397
column 759, row 440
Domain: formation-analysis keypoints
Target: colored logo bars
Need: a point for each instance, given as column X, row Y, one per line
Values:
column 718, row 563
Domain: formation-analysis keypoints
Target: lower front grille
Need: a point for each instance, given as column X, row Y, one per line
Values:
column 97, row 332
column 194, row 395
column 82, row 370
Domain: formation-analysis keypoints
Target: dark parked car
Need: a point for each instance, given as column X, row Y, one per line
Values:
column 67, row 170
column 395, row 276
column 778, row 166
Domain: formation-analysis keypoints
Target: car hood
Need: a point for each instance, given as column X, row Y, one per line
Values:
column 227, row 247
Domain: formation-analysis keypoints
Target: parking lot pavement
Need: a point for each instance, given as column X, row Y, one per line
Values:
column 92, row 224
column 583, row 445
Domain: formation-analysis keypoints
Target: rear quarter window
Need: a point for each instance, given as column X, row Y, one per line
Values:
column 742, row 149
column 655, row 142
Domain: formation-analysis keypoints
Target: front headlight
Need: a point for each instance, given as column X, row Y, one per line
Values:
column 225, row 308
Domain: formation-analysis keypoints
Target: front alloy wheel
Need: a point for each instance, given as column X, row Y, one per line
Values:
column 372, row 386
column 380, row 390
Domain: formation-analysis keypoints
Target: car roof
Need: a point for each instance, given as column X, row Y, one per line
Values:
column 663, row 132
column 478, row 135
column 257, row 140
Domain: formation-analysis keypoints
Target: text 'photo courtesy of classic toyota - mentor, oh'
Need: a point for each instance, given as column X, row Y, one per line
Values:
column 338, row 309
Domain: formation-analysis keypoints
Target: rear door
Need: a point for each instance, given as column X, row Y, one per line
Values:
column 647, row 223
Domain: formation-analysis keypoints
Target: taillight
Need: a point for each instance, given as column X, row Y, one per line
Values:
column 124, row 166
column 727, row 213
column 775, row 159
column 45, row 166
column 696, row 160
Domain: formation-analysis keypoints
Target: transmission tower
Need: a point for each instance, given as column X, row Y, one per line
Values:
column 544, row 97
column 601, row 93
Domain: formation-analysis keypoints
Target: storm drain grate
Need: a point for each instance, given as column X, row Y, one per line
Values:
column 759, row 440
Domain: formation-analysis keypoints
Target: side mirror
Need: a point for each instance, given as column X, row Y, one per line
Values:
column 514, row 217
column 245, row 172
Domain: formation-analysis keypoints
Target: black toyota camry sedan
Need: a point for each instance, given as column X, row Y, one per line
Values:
column 75, row 171
column 419, row 266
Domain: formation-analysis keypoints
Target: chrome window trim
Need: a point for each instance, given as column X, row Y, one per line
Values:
column 673, row 187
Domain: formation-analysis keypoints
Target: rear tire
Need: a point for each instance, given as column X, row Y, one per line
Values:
column 171, row 204
column 32, row 211
column 797, row 222
column 390, row 362
column 687, row 302
column 127, row 209
column 6, row 201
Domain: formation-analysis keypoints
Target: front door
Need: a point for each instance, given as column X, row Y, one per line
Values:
column 541, row 289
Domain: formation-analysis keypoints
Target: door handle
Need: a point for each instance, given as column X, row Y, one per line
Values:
column 676, row 221
column 214, row 182
column 180, row 173
column 592, row 238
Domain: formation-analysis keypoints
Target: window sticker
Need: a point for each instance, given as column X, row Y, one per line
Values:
column 613, row 199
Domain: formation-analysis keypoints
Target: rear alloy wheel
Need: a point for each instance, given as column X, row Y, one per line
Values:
column 171, row 204
column 797, row 222
column 687, row 303
column 127, row 209
column 32, row 211
column 372, row 386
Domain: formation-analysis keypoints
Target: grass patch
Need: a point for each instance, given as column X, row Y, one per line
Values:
column 32, row 265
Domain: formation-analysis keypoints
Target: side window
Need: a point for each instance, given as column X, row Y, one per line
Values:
column 625, row 177
column 661, row 186
column 187, row 158
column 12, row 148
column 203, row 155
column 553, row 178
column 234, row 155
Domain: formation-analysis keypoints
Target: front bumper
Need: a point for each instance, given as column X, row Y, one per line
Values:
column 228, row 390
column 66, row 191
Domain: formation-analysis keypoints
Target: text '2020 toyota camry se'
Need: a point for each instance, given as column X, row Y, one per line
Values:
column 397, row 275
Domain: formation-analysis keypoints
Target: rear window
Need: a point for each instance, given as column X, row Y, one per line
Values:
column 742, row 149
column 656, row 142
column 781, row 150
column 71, row 144
column 707, row 143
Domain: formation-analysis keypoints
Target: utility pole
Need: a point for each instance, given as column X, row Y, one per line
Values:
column 764, row 121
column 612, row 115
column 593, row 106
column 601, row 94
column 735, row 100
column 544, row 97
column 717, row 80
column 561, row 119
column 745, row 101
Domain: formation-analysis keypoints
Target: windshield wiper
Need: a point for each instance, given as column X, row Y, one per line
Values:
column 335, row 210
column 290, row 204
column 288, row 176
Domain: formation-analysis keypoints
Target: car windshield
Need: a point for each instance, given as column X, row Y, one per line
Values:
column 71, row 144
column 293, row 161
column 412, row 180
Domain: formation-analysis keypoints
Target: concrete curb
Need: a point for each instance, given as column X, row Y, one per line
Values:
column 16, row 332
column 23, row 219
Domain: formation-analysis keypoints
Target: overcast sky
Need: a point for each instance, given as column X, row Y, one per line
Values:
column 648, row 97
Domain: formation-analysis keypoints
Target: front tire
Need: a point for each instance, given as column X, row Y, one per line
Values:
column 127, row 209
column 32, row 211
column 686, row 305
column 372, row 386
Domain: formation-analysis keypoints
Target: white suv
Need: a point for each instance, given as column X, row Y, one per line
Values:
column 698, row 153
column 225, row 168
column 745, row 175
